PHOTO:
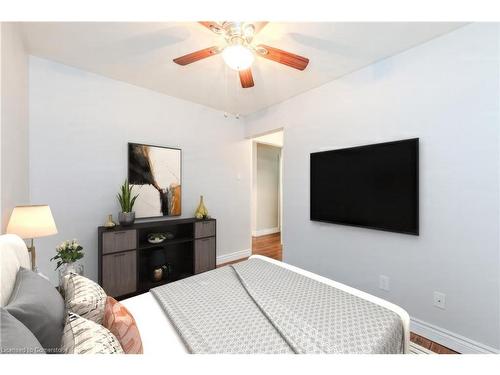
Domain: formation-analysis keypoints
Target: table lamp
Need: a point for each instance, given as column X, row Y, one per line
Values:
column 30, row 222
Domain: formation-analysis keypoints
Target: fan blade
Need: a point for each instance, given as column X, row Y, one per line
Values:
column 246, row 78
column 198, row 55
column 283, row 57
column 212, row 26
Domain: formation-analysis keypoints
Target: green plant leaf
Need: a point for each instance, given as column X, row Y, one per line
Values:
column 133, row 201
column 125, row 197
column 68, row 254
column 120, row 199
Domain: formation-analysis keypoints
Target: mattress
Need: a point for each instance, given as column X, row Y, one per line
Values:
column 159, row 336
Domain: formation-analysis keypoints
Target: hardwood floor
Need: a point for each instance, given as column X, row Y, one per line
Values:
column 431, row 345
column 270, row 246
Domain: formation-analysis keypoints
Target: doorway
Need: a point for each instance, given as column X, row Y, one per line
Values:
column 267, row 192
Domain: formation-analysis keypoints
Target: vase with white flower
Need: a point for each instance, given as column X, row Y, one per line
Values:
column 68, row 256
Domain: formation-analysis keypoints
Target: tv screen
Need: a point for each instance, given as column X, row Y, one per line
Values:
column 373, row 186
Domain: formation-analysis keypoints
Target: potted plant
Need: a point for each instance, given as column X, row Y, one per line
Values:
column 67, row 257
column 127, row 215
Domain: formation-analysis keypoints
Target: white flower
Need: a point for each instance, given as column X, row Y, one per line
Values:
column 68, row 245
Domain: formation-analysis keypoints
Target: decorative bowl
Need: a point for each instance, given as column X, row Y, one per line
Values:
column 156, row 237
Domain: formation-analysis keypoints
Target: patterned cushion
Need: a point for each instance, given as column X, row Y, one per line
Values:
column 83, row 336
column 122, row 324
column 85, row 298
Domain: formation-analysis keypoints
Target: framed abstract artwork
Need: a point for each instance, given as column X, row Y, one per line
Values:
column 155, row 173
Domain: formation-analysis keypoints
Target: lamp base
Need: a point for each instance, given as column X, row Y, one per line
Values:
column 32, row 252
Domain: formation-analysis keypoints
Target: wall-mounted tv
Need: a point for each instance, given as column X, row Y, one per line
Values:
column 373, row 186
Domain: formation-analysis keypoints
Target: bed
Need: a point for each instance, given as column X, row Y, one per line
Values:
column 160, row 335
column 257, row 306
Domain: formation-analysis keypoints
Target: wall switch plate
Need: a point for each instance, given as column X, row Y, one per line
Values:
column 383, row 282
column 440, row 300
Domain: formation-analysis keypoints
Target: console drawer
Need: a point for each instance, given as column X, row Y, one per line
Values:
column 121, row 240
column 119, row 273
column 204, row 229
column 204, row 255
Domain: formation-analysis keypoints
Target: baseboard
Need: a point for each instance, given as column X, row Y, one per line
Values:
column 263, row 232
column 234, row 256
column 449, row 339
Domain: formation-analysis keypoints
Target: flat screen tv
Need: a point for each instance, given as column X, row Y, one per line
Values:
column 373, row 186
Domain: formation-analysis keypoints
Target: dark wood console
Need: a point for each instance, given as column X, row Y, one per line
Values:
column 127, row 260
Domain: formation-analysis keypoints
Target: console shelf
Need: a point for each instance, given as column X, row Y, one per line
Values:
column 127, row 260
column 165, row 243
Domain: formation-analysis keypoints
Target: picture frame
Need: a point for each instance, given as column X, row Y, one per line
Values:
column 155, row 172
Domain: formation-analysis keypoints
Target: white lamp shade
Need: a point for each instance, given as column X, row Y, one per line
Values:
column 32, row 222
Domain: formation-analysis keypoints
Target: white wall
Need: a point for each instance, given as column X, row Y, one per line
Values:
column 273, row 139
column 1, row 212
column 446, row 92
column 14, row 117
column 80, row 124
column 267, row 185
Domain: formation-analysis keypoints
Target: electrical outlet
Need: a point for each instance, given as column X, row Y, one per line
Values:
column 383, row 282
column 440, row 300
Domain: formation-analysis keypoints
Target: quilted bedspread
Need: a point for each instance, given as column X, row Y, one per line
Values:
column 258, row 307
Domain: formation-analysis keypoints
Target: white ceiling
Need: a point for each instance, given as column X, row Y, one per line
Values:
column 142, row 53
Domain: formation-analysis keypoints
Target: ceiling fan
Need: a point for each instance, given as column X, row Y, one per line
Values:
column 239, row 52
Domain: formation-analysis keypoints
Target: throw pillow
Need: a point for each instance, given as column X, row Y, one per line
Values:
column 122, row 324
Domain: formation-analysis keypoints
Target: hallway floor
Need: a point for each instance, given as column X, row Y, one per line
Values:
column 269, row 246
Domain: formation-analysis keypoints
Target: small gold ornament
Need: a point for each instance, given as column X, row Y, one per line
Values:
column 110, row 223
column 201, row 211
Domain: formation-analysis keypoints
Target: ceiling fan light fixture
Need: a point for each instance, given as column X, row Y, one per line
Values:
column 249, row 31
column 238, row 57
column 241, row 49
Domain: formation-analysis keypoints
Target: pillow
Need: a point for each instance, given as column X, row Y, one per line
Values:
column 16, row 338
column 39, row 306
column 13, row 255
column 83, row 336
column 122, row 324
column 85, row 297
